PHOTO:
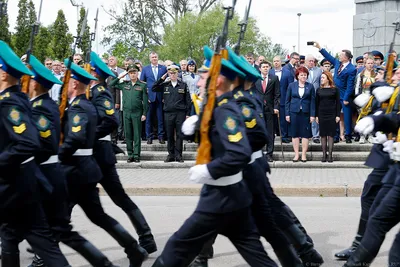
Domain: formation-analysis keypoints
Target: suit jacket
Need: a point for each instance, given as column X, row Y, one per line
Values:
column 294, row 101
column 345, row 80
column 286, row 79
column 148, row 77
column 314, row 77
column 291, row 69
column 272, row 95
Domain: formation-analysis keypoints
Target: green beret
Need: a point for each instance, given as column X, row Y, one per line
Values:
column 11, row 63
column 99, row 66
column 79, row 73
column 42, row 75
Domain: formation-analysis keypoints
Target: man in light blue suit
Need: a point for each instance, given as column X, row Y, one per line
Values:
column 150, row 74
column 285, row 78
column 314, row 77
column 344, row 76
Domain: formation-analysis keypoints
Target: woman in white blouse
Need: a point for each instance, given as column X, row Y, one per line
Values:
column 191, row 77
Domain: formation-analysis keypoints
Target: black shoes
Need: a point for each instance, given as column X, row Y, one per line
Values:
column 269, row 158
column 346, row 253
column 179, row 159
column 149, row 141
column 169, row 159
column 161, row 140
column 146, row 239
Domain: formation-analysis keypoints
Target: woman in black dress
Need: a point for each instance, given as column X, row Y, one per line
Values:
column 327, row 112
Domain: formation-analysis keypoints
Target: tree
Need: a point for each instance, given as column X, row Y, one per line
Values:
column 26, row 18
column 62, row 39
column 5, row 34
column 42, row 45
column 85, row 43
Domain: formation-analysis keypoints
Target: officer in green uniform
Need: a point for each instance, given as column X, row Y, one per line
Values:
column 135, row 103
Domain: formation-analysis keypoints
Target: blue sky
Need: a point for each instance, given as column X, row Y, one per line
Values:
column 330, row 21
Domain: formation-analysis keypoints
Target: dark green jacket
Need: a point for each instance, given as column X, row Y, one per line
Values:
column 134, row 97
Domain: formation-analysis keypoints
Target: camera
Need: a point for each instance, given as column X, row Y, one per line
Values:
column 310, row 43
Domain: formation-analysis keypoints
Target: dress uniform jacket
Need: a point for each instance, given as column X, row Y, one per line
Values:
column 107, row 122
column 80, row 136
column 230, row 154
column 175, row 98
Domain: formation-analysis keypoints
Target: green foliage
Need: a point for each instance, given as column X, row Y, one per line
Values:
column 42, row 47
column 5, row 34
column 61, row 38
column 26, row 18
column 85, row 44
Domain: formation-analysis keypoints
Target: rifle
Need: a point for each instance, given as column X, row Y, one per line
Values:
column 67, row 77
column 391, row 59
column 87, row 58
column 204, row 150
column 25, row 79
column 243, row 27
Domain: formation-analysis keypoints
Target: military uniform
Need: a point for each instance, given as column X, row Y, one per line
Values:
column 105, row 156
column 21, row 211
column 83, row 173
column 177, row 103
column 135, row 102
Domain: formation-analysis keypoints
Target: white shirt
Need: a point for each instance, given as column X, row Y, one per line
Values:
column 278, row 73
column 301, row 91
column 54, row 91
column 174, row 83
column 345, row 65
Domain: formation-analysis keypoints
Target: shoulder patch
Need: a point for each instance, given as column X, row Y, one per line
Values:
column 223, row 101
column 76, row 102
column 238, row 94
column 6, row 95
column 101, row 88
column 246, row 111
column 230, row 124
column 43, row 123
column 107, row 104
column 76, row 120
column 14, row 116
column 37, row 103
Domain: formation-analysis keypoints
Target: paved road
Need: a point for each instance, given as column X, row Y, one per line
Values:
column 331, row 222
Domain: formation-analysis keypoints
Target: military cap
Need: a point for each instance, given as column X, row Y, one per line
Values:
column 205, row 67
column 377, row 54
column 79, row 73
column 137, row 61
column 42, row 75
column 10, row 62
column 360, row 59
column 251, row 73
column 132, row 67
column 325, row 61
column 227, row 68
column 191, row 62
column 173, row 68
column 99, row 66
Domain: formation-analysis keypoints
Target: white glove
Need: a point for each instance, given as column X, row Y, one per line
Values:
column 388, row 146
column 379, row 112
column 383, row 93
column 189, row 125
column 199, row 174
column 379, row 138
column 362, row 100
column 365, row 126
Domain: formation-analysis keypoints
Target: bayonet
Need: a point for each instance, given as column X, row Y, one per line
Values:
column 243, row 28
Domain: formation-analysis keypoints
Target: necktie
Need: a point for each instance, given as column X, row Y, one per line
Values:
column 264, row 84
column 155, row 72
column 311, row 75
column 340, row 69
column 192, row 74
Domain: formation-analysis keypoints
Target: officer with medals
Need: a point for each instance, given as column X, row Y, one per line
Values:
column 46, row 115
column 82, row 171
column 21, row 212
column 378, row 159
column 104, row 152
column 224, row 205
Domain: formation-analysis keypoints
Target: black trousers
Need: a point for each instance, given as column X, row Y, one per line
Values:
column 185, row 244
column 269, row 122
column 112, row 185
column 173, row 122
column 32, row 226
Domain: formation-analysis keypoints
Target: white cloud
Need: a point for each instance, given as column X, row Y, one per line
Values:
column 330, row 21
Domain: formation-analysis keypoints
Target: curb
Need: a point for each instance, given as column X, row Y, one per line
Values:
column 280, row 190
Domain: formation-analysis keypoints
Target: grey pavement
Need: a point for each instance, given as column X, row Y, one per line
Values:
column 331, row 222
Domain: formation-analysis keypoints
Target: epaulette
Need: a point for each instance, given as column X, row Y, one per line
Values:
column 101, row 88
column 142, row 81
column 76, row 102
column 37, row 103
column 6, row 95
column 238, row 94
column 223, row 101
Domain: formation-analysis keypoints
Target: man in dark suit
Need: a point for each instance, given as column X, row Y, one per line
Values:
column 285, row 78
column 344, row 76
column 251, row 60
column 269, row 93
column 293, row 62
column 150, row 74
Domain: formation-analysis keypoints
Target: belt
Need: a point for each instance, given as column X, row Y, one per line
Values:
column 83, row 152
column 30, row 159
column 105, row 138
column 51, row 160
column 256, row 155
column 227, row 180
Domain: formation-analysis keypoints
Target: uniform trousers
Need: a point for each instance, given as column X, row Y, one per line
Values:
column 31, row 225
column 185, row 244
column 173, row 122
column 133, row 131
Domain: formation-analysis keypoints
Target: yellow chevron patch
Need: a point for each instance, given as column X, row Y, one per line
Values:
column 234, row 138
column 223, row 101
column 45, row 134
column 110, row 111
column 19, row 129
column 251, row 124
column 76, row 129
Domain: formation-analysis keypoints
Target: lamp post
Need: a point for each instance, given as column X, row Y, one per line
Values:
column 298, row 32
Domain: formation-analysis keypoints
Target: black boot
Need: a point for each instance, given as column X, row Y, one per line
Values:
column 360, row 257
column 323, row 146
column 37, row 262
column 158, row 263
column 330, row 141
column 288, row 257
column 10, row 260
column 146, row 239
column 298, row 223
column 305, row 249
column 346, row 253
column 136, row 254
column 94, row 256
column 199, row 262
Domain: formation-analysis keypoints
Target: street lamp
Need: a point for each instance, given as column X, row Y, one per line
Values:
column 298, row 36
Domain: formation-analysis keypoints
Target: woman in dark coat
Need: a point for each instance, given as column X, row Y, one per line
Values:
column 328, row 113
column 300, row 112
